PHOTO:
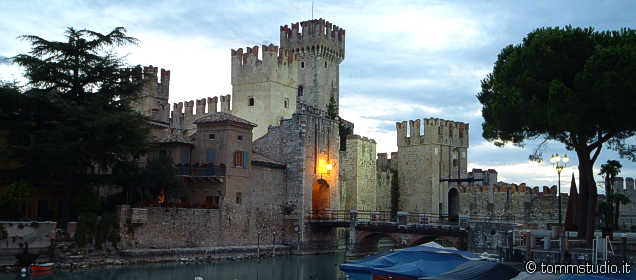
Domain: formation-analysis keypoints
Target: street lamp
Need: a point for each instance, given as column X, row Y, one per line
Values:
column 559, row 163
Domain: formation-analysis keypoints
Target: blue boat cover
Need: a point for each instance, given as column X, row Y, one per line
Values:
column 477, row 270
column 413, row 262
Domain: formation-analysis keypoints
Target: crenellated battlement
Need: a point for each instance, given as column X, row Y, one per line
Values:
column 621, row 184
column 356, row 137
column 162, row 87
column 183, row 114
column 432, row 131
column 314, row 37
column 277, row 64
column 513, row 188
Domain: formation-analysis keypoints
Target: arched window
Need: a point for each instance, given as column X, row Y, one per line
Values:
column 300, row 90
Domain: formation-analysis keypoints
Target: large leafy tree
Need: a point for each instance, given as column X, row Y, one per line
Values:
column 571, row 85
column 77, row 109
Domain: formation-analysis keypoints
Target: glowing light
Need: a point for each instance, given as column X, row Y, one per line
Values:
column 324, row 167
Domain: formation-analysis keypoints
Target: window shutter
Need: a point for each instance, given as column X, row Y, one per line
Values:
column 211, row 156
column 245, row 159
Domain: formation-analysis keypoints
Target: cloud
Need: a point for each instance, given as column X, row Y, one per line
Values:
column 404, row 60
column 4, row 60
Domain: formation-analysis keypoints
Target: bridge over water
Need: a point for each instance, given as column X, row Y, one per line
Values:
column 406, row 229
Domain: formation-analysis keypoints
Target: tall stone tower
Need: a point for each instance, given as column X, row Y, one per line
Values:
column 153, row 99
column 430, row 150
column 264, row 90
column 321, row 48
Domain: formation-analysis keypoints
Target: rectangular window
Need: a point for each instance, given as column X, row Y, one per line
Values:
column 251, row 101
column 241, row 159
column 211, row 137
column 185, row 156
column 286, row 102
column 240, row 137
column 211, row 156
column 239, row 198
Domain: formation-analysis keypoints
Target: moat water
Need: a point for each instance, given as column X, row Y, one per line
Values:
column 317, row 267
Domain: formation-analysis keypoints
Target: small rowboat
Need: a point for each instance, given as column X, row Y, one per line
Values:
column 42, row 267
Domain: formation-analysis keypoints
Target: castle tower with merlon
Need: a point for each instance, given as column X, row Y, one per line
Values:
column 263, row 90
column 321, row 48
column 153, row 99
column 430, row 150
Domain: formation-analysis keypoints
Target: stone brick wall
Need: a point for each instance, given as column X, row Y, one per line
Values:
column 429, row 150
column 385, row 180
column 358, row 174
column 13, row 235
column 301, row 143
column 627, row 217
column 526, row 205
column 264, row 91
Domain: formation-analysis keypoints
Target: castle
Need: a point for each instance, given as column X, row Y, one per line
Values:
column 268, row 157
column 265, row 159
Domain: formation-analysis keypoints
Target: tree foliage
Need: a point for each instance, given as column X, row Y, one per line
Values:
column 570, row 85
column 332, row 108
column 74, row 118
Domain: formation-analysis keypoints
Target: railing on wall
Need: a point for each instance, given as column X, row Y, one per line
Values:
column 201, row 171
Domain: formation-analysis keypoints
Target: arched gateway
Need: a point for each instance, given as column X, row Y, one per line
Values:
column 319, row 198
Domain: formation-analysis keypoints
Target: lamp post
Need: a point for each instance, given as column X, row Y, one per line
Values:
column 559, row 163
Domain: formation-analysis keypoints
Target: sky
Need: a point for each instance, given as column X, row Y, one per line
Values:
column 404, row 60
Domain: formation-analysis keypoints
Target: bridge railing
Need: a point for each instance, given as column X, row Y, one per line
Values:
column 430, row 218
column 329, row 215
column 374, row 216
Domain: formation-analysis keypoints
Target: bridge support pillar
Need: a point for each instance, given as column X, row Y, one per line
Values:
column 353, row 222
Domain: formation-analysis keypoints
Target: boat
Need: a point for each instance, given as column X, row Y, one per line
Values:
column 42, row 267
column 428, row 261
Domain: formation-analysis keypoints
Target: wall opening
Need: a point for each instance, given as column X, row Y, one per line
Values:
column 320, row 199
column 453, row 204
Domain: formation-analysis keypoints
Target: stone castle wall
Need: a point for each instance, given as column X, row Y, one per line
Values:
column 627, row 217
column 429, row 150
column 358, row 174
column 525, row 205
column 386, row 180
column 301, row 143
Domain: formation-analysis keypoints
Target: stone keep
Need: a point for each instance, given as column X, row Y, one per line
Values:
column 321, row 48
column 264, row 90
column 429, row 150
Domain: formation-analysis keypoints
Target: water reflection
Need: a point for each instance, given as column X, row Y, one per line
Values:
column 279, row 268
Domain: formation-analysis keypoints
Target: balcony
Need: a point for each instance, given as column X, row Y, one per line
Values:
column 198, row 174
